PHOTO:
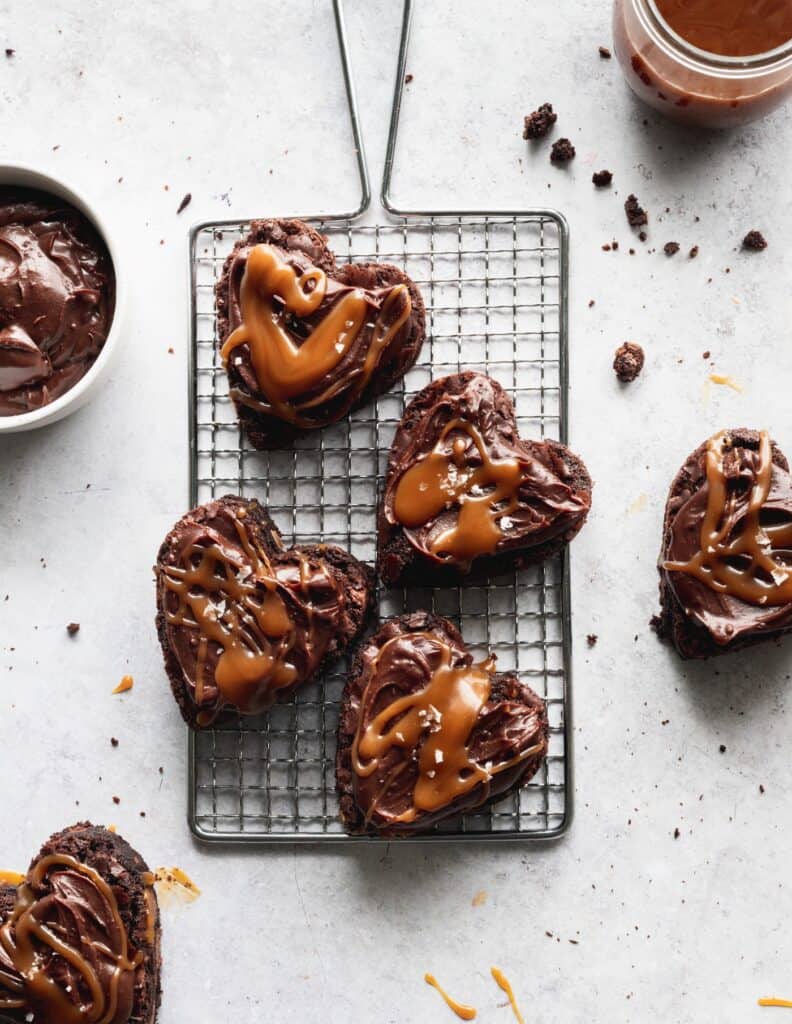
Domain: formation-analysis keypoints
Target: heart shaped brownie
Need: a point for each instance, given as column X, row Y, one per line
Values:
column 305, row 341
column 425, row 734
column 726, row 559
column 241, row 620
column 80, row 935
column 463, row 489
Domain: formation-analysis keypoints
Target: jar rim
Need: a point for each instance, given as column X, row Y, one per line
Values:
column 751, row 62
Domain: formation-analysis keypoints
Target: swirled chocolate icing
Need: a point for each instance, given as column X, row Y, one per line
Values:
column 304, row 343
column 57, row 295
column 64, row 951
column 427, row 733
column 241, row 618
column 462, row 484
column 728, row 551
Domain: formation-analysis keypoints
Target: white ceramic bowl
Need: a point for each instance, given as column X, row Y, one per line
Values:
column 87, row 386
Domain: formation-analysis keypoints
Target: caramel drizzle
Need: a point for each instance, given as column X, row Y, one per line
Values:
column 504, row 984
column 460, row 1009
column 444, row 478
column 23, row 930
column 285, row 370
column 220, row 595
column 752, row 546
column 445, row 712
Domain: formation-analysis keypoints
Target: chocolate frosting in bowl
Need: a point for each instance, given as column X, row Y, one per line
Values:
column 57, row 298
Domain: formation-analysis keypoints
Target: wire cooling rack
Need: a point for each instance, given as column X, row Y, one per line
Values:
column 495, row 293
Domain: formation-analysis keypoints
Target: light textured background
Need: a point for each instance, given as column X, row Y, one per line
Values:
column 242, row 105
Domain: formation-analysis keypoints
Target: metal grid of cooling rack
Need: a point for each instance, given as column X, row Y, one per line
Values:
column 495, row 292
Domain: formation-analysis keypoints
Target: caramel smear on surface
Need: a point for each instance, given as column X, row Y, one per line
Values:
column 480, row 898
column 126, row 684
column 11, row 878
column 462, row 1011
column 637, row 505
column 503, row 982
column 775, row 1002
column 174, row 885
column 726, row 381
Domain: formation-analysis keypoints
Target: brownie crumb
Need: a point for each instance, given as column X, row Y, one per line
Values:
column 602, row 178
column 73, row 628
column 606, row 247
column 113, row 741
column 562, row 152
column 755, row 241
column 614, row 245
column 671, row 248
column 185, row 202
column 761, row 788
column 10, row 51
column 642, row 235
column 591, row 303
column 705, row 355
column 539, row 123
column 408, row 79
column 722, row 748
column 628, row 361
column 693, row 252
column 591, row 639
column 605, row 53
column 676, row 833
column 636, row 215
column 116, row 799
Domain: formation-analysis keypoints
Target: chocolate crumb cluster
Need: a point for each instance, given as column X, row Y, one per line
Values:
column 562, row 152
column 605, row 53
column 602, row 178
column 539, row 123
column 636, row 215
column 628, row 361
column 671, row 248
column 754, row 241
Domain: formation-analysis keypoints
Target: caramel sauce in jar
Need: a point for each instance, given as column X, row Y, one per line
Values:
column 713, row 63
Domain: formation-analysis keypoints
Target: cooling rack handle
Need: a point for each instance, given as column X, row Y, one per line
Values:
column 354, row 113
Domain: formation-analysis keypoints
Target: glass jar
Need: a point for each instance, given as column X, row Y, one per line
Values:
column 692, row 85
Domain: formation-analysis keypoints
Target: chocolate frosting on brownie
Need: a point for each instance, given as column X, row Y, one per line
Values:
column 426, row 734
column 57, row 295
column 305, row 341
column 462, row 485
column 727, row 552
column 242, row 620
column 81, row 943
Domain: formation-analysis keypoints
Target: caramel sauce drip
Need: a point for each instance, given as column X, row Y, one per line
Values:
column 775, row 1002
column 231, row 597
column 736, row 550
column 484, row 493
column 437, row 722
column 462, row 1011
column 271, row 291
column 503, row 983
column 174, row 882
column 127, row 682
column 24, row 933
